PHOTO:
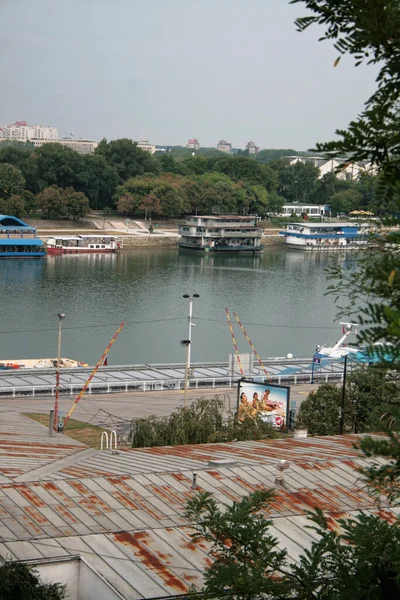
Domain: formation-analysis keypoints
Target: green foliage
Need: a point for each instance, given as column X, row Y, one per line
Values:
column 246, row 555
column 76, row 204
column 297, row 183
column 12, row 181
column 20, row 582
column 369, row 400
column 367, row 30
column 383, row 477
column 202, row 422
column 127, row 158
column 360, row 563
column 320, row 412
column 51, row 203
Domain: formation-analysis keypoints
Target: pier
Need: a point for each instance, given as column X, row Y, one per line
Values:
column 160, row 377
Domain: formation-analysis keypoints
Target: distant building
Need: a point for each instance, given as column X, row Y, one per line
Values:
column 193, row 144
column 21, row 131
column 224, row 146
column 81, row 146
column 342, row 168
column 252, row 148
column 145, row 145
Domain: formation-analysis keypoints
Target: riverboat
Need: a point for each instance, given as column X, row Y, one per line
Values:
column 40, row 363
column 18, row 240
column 324, row 236
column 221, row 234
column 83, row 244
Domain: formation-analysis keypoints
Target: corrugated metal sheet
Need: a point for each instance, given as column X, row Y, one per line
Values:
column 124, row 513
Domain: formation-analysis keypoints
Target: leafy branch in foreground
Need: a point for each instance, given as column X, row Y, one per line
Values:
column 367, row 30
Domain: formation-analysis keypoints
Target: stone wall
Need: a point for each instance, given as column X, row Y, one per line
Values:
column 143, row 241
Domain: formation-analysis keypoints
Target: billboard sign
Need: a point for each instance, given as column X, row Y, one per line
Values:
column 269, row 401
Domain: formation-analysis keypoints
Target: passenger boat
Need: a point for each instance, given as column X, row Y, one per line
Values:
column 324, row 236
column 221, row 234
column 83, row 244
column 40, row 363
column 18, row 240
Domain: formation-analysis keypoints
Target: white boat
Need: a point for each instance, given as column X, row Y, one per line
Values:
column 40, row 363
column 339, row 349
column 324, row 236
column 83, row 244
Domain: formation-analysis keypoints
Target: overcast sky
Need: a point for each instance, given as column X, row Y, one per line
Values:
column 173, row 69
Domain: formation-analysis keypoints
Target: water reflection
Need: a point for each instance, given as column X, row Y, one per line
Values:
column 280, row 294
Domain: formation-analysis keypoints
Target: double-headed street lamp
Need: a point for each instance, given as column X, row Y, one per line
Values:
column 188, row 343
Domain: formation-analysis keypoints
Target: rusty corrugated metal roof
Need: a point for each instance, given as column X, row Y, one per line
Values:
column 124, row 512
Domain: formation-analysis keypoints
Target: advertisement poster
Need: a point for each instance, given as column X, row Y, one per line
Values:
column 269, row 401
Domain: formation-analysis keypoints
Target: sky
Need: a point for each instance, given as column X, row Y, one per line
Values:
column 170, row 70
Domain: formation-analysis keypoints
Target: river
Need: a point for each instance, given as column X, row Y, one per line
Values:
column 279, row 296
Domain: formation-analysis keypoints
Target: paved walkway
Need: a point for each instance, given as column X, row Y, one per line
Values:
column 95, row 408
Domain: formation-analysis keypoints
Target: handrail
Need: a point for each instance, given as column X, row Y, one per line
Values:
column 104, row 435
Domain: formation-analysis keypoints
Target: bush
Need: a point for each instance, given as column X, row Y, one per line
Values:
column 203, row 422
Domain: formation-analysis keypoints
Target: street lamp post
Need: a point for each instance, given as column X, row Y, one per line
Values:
column 61, row 316
column 188, row 344
column 191, row 324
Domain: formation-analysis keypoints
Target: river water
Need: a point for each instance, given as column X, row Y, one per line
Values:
column 279, row 296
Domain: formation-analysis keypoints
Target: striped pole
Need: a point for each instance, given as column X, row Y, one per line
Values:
column 234, row 342
column 92, row 374
column 251, row 345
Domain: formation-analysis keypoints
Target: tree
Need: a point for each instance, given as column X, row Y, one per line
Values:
column 319, row 413
column 128, row 160
column 76, row 204
column 246, row 556
column 345, row 201
column 20, row 582
column 16, row 206
column 57, row 165
column 127, row 204
column 29, row 200
column 12, row 180
column 98, row 180
column 171, row 201
column 151, row 205
column 297, row 183
column 367, row 31
column 51, row 203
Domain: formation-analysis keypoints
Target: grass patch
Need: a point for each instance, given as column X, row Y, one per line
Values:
column 77, row 430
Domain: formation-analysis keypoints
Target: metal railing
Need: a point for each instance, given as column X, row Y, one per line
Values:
column 111, row 387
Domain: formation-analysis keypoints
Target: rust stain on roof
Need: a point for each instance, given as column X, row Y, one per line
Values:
column 125, row 501
column 29, row 495
column 149, row 560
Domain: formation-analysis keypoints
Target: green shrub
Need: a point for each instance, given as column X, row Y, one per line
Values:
column 201, row 423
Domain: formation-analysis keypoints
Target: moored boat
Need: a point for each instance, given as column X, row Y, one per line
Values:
column 324, row 236
column 40, row 363
column 18, row 240
column 83, row 244
column 223, row 233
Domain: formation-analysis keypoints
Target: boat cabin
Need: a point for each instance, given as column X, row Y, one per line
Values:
column 323, row 236
column 18, row 239
column 221, row 234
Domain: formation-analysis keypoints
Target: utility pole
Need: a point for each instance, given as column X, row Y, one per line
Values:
column 61, row 316
column 188, row 344
column 343, row 396
column 191, row 324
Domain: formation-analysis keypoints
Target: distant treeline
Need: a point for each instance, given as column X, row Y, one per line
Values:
column 60, row 182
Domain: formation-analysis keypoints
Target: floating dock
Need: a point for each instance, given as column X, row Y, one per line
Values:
column 151, row 377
